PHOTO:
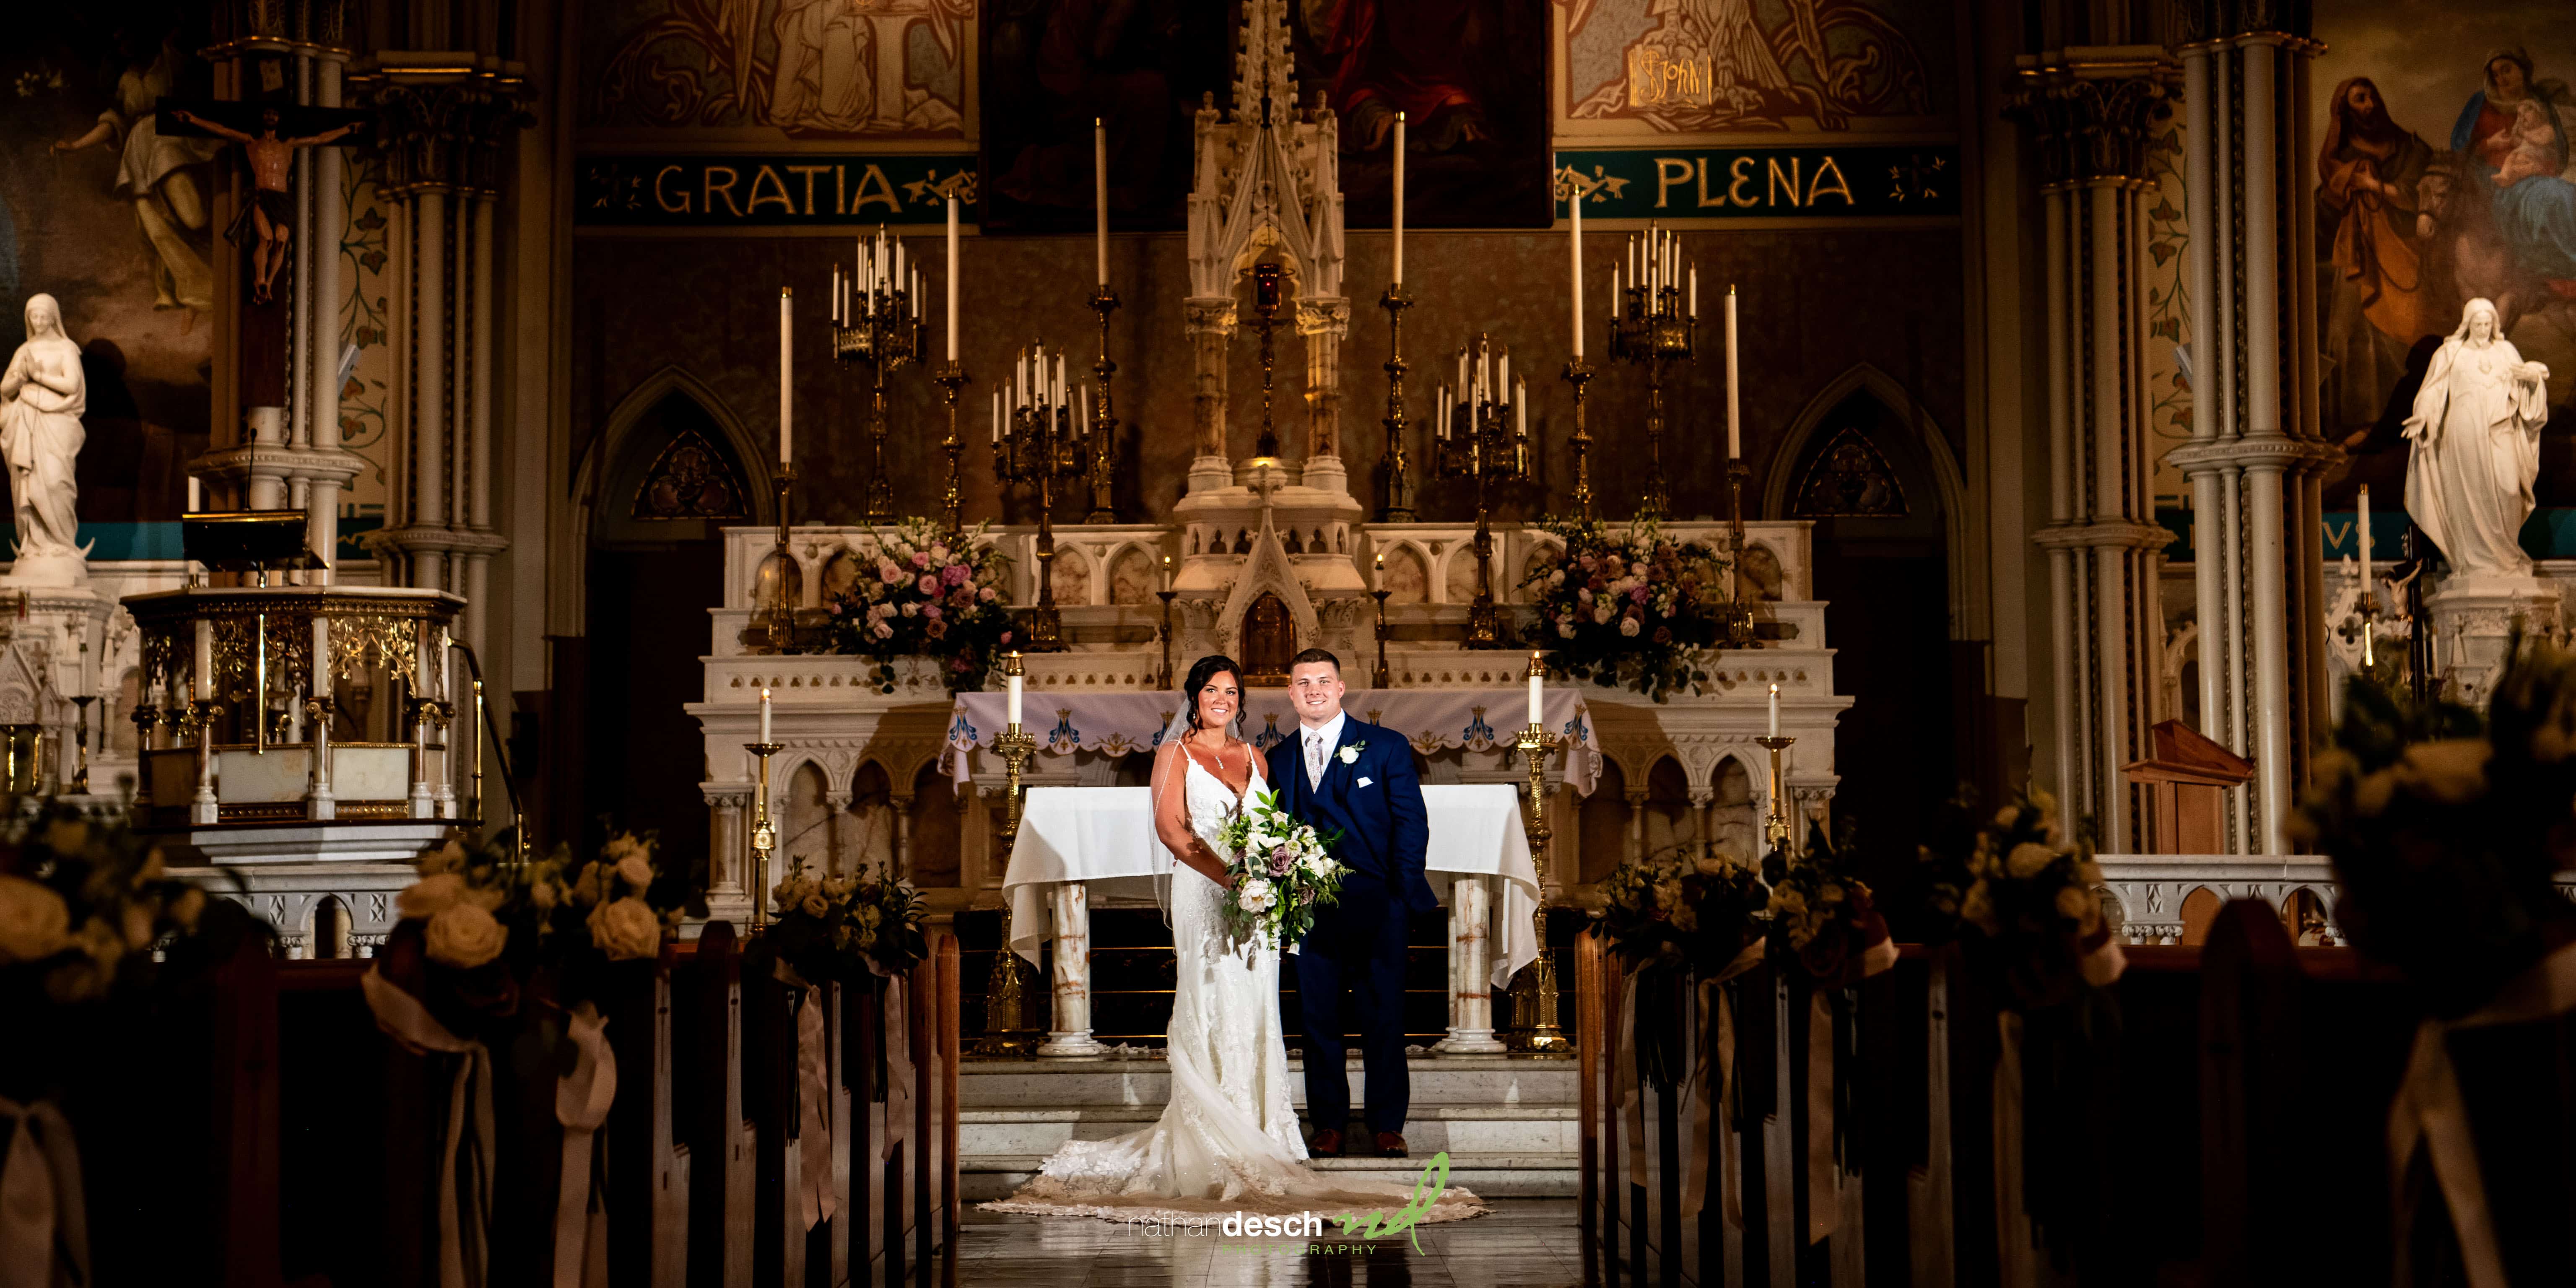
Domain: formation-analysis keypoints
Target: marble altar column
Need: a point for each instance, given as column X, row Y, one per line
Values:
column 2091, row 110
column 1471, row 969
column 1069, row 1034
column 1636, row 826
column 728, row 848
column 2257, row 456
column 1210, row 322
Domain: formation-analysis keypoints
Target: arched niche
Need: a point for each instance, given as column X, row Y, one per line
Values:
column 1669, row 825
column 936, row 831
column 1601, row 824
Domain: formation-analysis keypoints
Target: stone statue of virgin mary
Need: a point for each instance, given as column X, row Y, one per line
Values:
column 42, row 397
column 2476, row 431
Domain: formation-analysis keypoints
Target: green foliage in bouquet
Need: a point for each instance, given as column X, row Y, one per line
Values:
column 1637, row 609
column 847, row 927
column 1671, row 911
column 922, row 597
column 83, row 902
column 1823, row 919
column 2447, row 829
column 1284, row 870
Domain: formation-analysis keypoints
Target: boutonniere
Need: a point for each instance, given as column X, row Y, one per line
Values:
column 1350, row 755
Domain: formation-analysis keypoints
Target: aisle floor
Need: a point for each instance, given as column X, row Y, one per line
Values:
column 1525, row 1243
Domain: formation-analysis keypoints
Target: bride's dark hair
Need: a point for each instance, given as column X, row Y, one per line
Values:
column 1202, row 671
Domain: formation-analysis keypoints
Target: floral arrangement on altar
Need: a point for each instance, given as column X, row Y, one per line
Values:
column 486, row 922
column 1824, row 921
column 83, row 901
column 1669, row 910
column 1283, row 871
column 926, row 598
column 2447, row 829
column 847, row 927
column 1639, row 609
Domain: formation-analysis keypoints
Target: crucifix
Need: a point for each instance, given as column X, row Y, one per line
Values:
column 270, row 212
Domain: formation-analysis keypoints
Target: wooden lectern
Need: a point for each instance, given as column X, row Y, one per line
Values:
column 2188, row 772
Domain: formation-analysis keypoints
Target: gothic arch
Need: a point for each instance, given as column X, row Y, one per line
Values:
column 1928, row 440
column 599, row 462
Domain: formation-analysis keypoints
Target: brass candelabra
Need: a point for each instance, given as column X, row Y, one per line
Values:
column 1735, row 618
column 1656, row 321
column 1578, row 373
column 877, row 320
column 1483, row 435
column 952, row 381
column 1103, row 427
column 1036, row 441
column 1775, row 814
column 1005, row 1031
column 764, row 836
column 1398, row 507
column 1534, row 993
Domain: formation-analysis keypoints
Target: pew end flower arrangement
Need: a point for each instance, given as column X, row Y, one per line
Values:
column 1637, row 610
column 847, row 927
column 1674, row 917
column 1825, row 923
column 1283, row 871
column 916, row 595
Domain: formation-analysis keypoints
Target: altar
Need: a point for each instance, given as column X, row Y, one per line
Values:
column 1083, row 847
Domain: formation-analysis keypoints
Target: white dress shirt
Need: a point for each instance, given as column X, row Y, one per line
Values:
column 1320, row 741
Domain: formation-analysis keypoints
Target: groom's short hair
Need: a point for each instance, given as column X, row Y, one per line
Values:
column 1323, row 655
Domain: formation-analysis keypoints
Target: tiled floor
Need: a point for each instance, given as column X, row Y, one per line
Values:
column 1525, row 1243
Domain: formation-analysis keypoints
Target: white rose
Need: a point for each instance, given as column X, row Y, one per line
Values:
column 463, row 936
column 1601, row 613
column 1627, row 625
column 431, row 895
column 626, row 929
column 1350, row 755
column 1255, row 895
column 35, row 923
column 637, row 870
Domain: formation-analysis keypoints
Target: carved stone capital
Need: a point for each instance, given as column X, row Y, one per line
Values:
column 2093, row 108
column 442, row 135
column 1209, row 315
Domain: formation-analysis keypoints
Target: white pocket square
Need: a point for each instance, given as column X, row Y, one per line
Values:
column 1366, row 781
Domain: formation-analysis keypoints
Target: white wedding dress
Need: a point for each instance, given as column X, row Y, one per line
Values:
column 1228, row 1139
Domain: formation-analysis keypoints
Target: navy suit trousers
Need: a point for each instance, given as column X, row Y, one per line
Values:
column 1350, row 973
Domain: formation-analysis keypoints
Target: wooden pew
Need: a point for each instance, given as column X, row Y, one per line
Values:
column 778, row 1241
column 648, row 1182
column 708, row 1117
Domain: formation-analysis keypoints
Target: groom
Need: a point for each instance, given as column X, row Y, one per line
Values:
column 1342, row 773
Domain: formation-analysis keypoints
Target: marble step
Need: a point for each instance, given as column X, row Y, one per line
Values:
column 1429, row 1128
column 1134, row 1080
column 1493, row 1176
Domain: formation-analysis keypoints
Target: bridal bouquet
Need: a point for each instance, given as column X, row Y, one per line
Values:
column 1282, row 871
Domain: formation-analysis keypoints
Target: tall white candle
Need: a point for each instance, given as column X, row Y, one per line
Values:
column 952, row 277
column 1694, row 292
column 1537, row 688
column 764, row 713
column 1734, row 409
column 1575, row 205
column 1775, row 710
column 997, row 415
column 2364, row 526
column 1399, row 199
column 1503, row 372
column 1100, row 196
column 196, row 494
column 786, row 374
column 1014, row 712
column 205, row 660
column 1520, row 408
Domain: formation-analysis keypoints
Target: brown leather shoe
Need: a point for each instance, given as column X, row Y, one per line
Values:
column 1391, row 1145
column 1326, row 1144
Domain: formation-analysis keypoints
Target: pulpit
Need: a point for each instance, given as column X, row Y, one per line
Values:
column 2188, row 776
column 1081, row 845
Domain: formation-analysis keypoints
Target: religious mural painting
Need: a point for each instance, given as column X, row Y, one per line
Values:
column 1465, row 73
column 759, row 72
column 1053, row 67
column 2443, row 177
column 114, row 219
column 1649, row 68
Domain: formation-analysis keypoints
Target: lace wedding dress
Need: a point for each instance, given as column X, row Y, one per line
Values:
column 1228, row 1139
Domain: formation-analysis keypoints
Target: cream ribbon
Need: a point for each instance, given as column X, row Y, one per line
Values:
column 1715, row 1006
column 2429, row 1113
column 44, row 1226
column 464, row 1250
column 1632, row 1106
column 814, row 1123
column 582, row 1098
column 898, row 1052
column 1824, row 1188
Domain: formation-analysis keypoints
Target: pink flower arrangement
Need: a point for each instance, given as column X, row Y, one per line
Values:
column 928, row 599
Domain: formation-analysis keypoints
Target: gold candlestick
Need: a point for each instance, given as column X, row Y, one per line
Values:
column 1006, row 1034
column 1578, row 373
column 952, row 378
column 1399, row 488
column 1163, row 679
column 1104, row 422
column 1040, row 444
column 764, row 836
column 1484, row 441
column 1383, row 677
column 1654, row 325
column 885, row 329
column 1534, row 993
column 1735, row 619
column 1775, row 818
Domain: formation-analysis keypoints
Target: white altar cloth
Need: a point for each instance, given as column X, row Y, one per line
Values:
column 1431, row 719
column 1104, row 838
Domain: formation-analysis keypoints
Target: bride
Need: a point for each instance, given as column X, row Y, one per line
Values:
column 1228, row 1139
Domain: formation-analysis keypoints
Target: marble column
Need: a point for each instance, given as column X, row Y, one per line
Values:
column 728, row 848
column 1324, row 323
column 2256, row 459
column 2091, row 110
column 1471, row 969
column 1636, row 826
column 1210, row 322
column 1069, row 1034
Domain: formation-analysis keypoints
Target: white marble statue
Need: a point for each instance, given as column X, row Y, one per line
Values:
column 41, row 400
column 2476, row 430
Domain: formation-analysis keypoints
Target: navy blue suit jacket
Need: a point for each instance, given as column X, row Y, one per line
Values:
column 1376, row 801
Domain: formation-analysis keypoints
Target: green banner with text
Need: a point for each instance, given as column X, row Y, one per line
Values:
column 1857, row 182
column 787, row 191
